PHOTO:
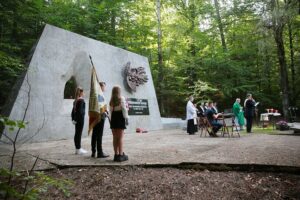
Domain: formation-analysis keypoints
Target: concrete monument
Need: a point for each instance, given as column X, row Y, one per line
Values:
column 60, row 55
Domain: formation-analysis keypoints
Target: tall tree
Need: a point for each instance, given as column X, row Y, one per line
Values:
column 160, row 56
column 220, row 24
column 278, row 23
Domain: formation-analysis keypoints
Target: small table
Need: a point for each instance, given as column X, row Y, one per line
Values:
column 269, row 117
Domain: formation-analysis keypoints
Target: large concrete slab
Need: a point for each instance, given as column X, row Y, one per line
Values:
column 175, row 147
column 58, row 56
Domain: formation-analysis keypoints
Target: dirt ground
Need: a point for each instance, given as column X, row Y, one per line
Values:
column 130, row 182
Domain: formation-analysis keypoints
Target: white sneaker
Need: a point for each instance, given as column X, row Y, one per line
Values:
column 80, row 151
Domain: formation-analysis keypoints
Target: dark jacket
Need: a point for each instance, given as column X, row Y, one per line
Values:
column 210, row 115
column 79, row 108
column 201, row 112
column 249, row 108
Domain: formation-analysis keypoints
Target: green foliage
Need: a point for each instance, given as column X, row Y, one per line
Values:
column 11, row 125
column 203, row 91
column 191, row 44
column 39, row 183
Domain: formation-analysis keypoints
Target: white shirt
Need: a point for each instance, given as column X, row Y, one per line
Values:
column 191, row 111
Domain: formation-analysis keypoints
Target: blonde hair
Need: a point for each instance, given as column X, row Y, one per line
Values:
column 115, row 99
column 79, row 90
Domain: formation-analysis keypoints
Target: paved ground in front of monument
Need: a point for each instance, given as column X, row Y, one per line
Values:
column 167, row 147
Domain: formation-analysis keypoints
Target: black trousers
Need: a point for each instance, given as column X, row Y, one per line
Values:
column 97, row 136
column 249, row 123
column 191, row 127
column 78, row 133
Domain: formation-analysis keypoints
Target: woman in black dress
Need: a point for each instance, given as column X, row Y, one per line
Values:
column 119, row 120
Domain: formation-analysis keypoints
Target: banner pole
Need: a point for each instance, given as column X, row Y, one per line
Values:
column 97, row 79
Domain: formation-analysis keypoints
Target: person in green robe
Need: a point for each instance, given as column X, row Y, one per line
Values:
column 239, row 114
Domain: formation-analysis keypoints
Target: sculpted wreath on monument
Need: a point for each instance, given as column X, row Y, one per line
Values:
column 135, row 76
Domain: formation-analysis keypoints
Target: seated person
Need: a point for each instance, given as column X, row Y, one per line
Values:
column 212, row 118
column 214, row 108
column 201, row 111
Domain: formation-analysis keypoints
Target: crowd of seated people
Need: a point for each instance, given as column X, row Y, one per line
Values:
column 209, row 111
column 198, row 116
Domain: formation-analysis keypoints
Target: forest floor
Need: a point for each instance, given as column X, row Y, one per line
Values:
column 129, row 182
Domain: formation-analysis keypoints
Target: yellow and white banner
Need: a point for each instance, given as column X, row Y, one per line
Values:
column 96, row 102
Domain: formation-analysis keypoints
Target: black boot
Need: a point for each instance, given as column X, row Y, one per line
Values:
column 93, row 155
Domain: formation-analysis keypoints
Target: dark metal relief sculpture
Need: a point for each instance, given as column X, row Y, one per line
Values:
column 135, row 76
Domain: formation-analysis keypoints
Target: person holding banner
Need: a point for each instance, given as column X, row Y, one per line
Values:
column 118, row 122
column 98, row 128
column 79, row 110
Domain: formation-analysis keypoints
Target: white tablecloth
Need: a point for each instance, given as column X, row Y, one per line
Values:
column 265, row 116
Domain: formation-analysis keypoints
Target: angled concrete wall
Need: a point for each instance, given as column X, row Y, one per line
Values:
column 58, row 56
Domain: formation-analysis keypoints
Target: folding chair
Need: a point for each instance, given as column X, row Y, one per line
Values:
column 205, row 126
column 235, row 127
column 224, row 129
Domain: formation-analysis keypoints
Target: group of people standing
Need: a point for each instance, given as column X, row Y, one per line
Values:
column 247, row 112
column 118, row 117
column 210, row 111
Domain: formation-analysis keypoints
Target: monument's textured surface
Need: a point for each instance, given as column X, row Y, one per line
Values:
column 58, row 56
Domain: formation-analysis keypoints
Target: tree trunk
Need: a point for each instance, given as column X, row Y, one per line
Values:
column 220, row 25
column 292, row 61
column 113, row 26
column 193, row 15
column 278, row 26
column 283, row 70
column 160, row 57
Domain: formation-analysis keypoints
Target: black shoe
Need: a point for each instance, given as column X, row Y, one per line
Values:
column 102, row 155
column 93, row 155
column 123, row 157
column 117, row 158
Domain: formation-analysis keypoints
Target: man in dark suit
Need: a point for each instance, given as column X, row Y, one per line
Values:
column 249, row 111
column 212, row 118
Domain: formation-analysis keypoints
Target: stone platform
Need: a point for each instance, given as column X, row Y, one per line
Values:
column 166, row 147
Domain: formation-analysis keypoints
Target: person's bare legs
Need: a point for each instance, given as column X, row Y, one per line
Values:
column 121, row 135
column 115, row 141
column 122, row 155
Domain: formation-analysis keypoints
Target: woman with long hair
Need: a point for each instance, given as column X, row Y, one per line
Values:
column 79, row 110
column 119, row 120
